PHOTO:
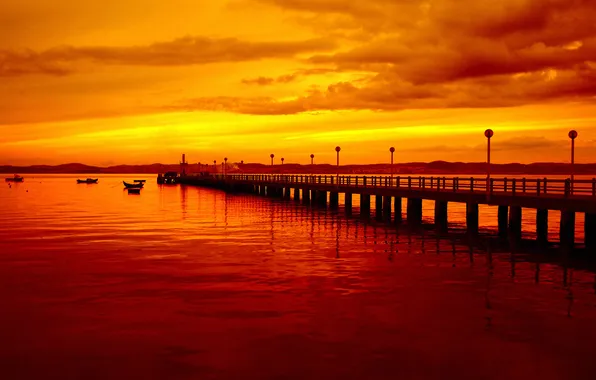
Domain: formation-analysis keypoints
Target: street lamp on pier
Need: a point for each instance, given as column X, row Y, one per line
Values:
column 572, row 135
column 392, row 150
column 272, row 155
column 215, row 166
column 226, row 166
column 488, row 134
column 337, row 149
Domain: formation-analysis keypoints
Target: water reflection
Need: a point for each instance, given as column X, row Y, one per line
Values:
column 222, row 285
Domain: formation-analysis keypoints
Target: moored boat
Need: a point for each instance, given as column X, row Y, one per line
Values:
column 133, row 185
column 135, row 190
column 16, row 178
column 88, row 180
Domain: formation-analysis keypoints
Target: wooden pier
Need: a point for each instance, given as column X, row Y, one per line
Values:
column 510, row 195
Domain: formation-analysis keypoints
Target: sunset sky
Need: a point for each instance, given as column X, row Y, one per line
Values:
column 142, row 81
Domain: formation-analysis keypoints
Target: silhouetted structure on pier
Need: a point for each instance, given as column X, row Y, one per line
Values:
column 510, row 195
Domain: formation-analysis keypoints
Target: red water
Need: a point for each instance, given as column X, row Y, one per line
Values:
column 187, row 283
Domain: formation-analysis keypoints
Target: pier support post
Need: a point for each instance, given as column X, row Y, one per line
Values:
column 322, row 199
column 441, row 215
column 590, row 232
column 378, row 207
column 262, row 190
column 414, row 211
column 515, row 222
column 503, row 216
column 288, row 194
column 306, row 196
column 316, row 197
column 365, row 205
column 472, row 218
column 542, row 226
column 297, row 194
column 387, row 208
column 397, row 210
column 333, row 200
column 567, row 229
column 348, row 203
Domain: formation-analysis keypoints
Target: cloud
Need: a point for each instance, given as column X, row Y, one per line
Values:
column 288, row 78
column 386, row 92
column 440, row 54
column 63, row 60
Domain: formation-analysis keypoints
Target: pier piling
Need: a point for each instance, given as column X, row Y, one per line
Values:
column 379, row 207
column 333, row 200
column 590, row 232
column 441, row 215
column 542, row 226
column 348, row 203
column 397, row 210
column 515, row 222
column 567, row 229
column 472, row 215
column 414, row 210
column 503, row 219
column 387, row 208
column 365, row 206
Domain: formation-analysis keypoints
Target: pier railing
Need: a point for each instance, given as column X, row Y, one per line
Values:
column 511, row 186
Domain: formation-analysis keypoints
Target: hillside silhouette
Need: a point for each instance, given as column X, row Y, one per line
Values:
column 435, row 167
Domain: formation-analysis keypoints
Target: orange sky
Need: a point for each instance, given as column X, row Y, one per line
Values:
column 141, row 81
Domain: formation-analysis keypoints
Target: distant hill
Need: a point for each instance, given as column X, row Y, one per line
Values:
column 435, row 167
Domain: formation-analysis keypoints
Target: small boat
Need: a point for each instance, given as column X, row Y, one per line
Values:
column 140, row 180
column 134, row 190
column 88, row 180
column 133, row 185
column 16, row 178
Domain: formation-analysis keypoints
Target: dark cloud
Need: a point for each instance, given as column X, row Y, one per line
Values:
column 388, row 93
column 183, row 51
column 443, row 54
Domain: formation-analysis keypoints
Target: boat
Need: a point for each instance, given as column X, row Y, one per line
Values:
column 170, row 178
column 88, row 180
column 134, row 190
column 140, row 180
column 133, row 185
column 16, row 178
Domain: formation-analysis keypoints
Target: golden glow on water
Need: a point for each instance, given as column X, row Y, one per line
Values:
column 187, row 282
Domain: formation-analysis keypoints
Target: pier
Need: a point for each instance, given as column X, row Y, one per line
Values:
column 510, row 195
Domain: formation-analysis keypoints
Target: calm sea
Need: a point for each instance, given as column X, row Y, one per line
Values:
column 189, row 283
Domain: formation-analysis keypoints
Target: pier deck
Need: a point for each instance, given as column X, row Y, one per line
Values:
column 511, row 195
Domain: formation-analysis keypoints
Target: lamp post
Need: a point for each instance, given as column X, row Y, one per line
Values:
column 337, row 149
column 572, row 135
column 272, row 155
column 282, row 161
column 226, row 166
column 392, row 150
column 215, row 166
column 488, row 134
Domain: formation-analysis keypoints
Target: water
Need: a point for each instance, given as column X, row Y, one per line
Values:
column 187, row 283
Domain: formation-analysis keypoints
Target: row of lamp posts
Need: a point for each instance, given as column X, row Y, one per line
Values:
column 488, row 134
